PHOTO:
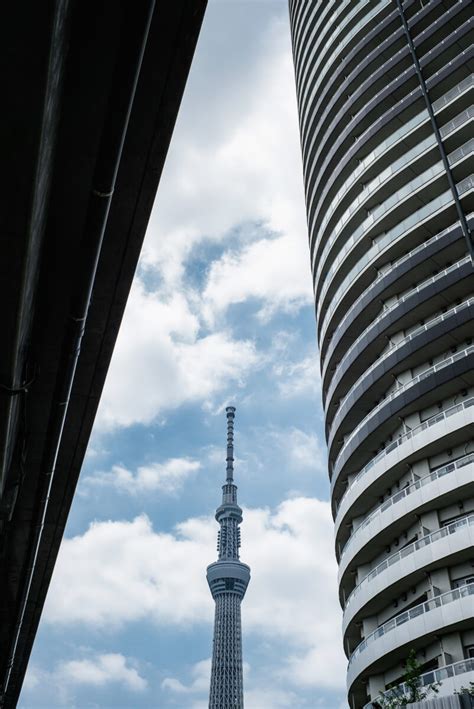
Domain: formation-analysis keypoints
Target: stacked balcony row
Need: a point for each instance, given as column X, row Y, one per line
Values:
column 394, row 289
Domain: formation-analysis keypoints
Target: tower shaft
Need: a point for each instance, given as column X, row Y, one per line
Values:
column 228, row 579
column 226, row 674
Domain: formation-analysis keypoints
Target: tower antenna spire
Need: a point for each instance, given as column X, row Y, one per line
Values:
column 230, row 413
column 228, row 579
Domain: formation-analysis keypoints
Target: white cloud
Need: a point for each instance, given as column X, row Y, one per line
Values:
column 292, row 558
column 95, row 451
column 58, row 685
column 161, row 362
column 200, row 680
column 118, row 572
column 238, row 165
column 316, row 667
column 269, row 269
column 33, row 678
column 300, row 378
column 263, row 697
column 233, row 177
column 271, row 697
column 100, row 671
column 305, row 450
column 167, row 477
column 303, row 453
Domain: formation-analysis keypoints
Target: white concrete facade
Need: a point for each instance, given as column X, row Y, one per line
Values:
column 384, row 94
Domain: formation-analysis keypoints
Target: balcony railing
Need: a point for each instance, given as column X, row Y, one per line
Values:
column 403, row 387
column 407, row 551
column 394, row 235
column 402, row 494
column 361, row 140
column 407, row 127
column 405, row 437
column 303, row 27
column 349, row 314
column 309, row 50
column 416, row 185
column 422, row 328
column 411, row 156
column 402, row 690
column 404, row 297
column 346, row 37
column 401, row 618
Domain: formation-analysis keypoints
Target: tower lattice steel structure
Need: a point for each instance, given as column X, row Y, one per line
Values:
column 228, row 579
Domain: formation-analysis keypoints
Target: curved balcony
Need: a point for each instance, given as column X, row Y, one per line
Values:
column 315, row 173
column 316, row 68
column 314, row 156
column 298, row 12
column 376, row 290
column 300, row 37
column 379, row 414
column 360, row 174
column 314, row 130
column 367, row 137
column 446, row 675
column 417, row 341
column 318, row 53
column 393, row 171
column 381, row 216
column 363, row 173
column 385, row 513
column 319, row 45
column 373, row 221
column 441, row 426
column 454, row 608
column 347, row 120
column 422, row 554
column 390, row 240
column 318, row 163
column 344, row 89
column 342, row 74
column 360, row 343
column 375, row 596
column 342, row 93
column 317, row 41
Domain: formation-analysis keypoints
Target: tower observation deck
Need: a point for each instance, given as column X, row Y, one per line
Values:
column 228, row 579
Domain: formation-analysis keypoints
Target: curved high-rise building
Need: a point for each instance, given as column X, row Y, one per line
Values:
column 228, row 579
column 384, row 93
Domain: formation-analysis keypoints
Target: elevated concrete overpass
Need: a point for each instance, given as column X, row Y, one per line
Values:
column 91, row 90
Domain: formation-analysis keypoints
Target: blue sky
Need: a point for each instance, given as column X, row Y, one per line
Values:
column 220, row 312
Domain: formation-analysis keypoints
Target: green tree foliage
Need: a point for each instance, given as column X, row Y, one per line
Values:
column 467, row 690
column 412, row 690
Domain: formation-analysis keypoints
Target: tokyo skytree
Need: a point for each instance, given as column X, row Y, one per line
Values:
column 228, row 579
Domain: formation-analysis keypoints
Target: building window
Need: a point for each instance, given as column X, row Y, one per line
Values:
column 469, row 651
column 463, row 582
column 453, row 519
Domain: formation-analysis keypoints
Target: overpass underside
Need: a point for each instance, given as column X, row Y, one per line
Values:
column 91, row 91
